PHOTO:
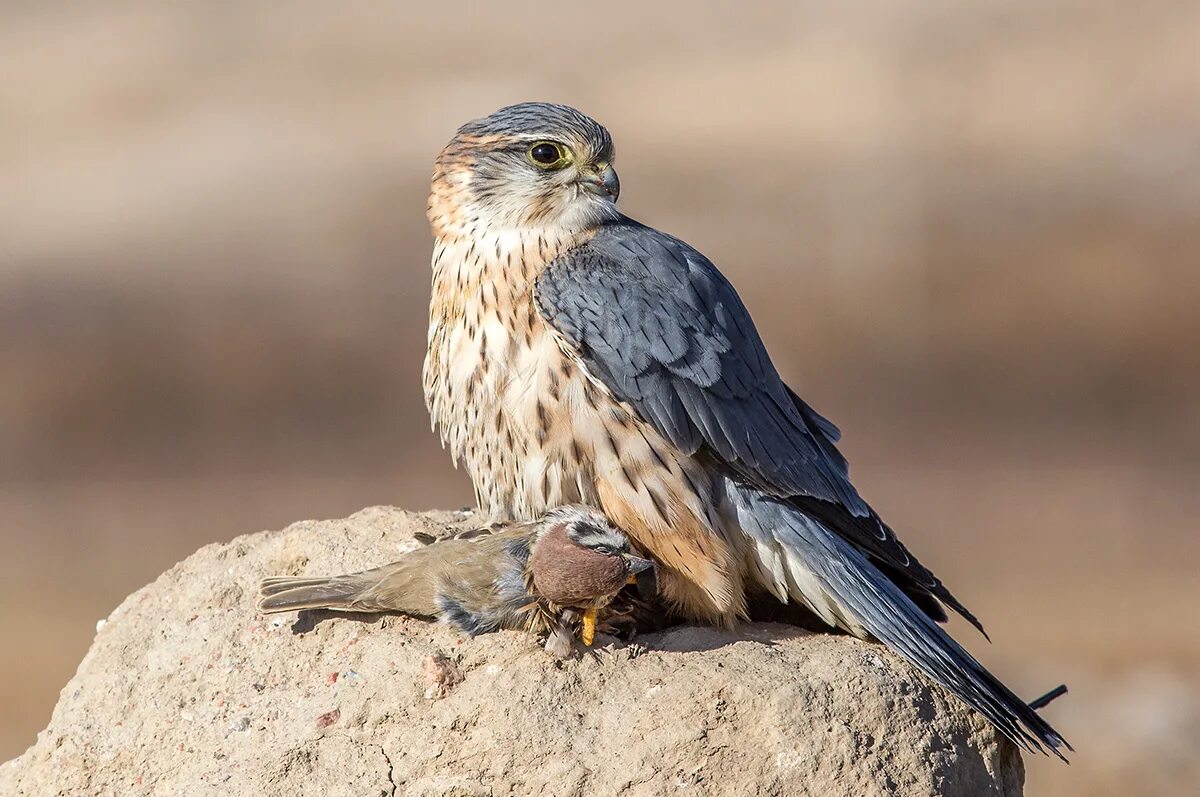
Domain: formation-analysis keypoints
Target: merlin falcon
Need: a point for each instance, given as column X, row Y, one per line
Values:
column 577, row 356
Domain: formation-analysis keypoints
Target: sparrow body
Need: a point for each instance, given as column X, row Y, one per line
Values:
column 541, row 576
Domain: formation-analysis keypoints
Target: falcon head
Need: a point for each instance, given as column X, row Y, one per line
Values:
column 528, row 166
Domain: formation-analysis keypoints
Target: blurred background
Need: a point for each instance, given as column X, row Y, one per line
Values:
column 970, row 234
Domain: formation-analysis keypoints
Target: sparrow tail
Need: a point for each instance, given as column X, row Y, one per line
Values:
column 284, row 594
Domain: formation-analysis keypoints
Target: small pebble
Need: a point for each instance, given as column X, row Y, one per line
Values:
column 440, row 676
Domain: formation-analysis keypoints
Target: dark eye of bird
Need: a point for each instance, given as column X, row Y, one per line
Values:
column 546, row 153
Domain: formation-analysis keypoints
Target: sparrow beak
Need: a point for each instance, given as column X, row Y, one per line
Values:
column 602, row 181
column 637, row 564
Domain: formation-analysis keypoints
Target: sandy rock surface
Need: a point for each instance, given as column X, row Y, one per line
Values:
column 187, row 690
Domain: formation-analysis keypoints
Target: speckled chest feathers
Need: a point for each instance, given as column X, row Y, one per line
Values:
column 497, row 384
column 518, row 409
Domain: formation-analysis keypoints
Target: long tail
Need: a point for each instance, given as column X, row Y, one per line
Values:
column 284, row 594
column 407, row 586
column 878, row 606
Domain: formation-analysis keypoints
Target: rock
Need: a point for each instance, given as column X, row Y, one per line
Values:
column 188, row 690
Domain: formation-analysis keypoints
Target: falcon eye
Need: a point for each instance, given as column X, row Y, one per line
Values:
column 548, row 155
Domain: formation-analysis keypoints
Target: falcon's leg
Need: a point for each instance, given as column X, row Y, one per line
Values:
column 636, row 611
column 587, row 633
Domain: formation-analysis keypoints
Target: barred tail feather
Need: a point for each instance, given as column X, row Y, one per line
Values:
column 870, row 600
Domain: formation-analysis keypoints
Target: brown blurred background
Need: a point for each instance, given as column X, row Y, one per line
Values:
column 970, row 234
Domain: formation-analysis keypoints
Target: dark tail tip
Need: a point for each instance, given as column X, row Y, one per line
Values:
column 1048, row 698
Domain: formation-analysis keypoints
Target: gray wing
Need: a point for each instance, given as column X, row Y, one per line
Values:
column 657, row 323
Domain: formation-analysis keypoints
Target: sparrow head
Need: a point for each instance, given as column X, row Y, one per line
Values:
column 580, row 560
column 534, row 165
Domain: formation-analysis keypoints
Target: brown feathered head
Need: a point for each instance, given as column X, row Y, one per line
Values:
column 581, row 560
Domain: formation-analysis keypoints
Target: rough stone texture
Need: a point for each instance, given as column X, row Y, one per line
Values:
column 187, row 690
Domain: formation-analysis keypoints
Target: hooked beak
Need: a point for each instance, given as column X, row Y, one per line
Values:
column 602, row 181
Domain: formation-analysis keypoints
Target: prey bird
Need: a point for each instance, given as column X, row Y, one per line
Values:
column 576, row 356
column 543, row 576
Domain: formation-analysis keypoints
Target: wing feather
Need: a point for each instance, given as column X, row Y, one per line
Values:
column 661, row 327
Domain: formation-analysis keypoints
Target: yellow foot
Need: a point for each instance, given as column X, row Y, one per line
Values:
column 587, row 634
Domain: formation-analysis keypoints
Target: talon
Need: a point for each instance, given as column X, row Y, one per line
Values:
column 587, row 634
